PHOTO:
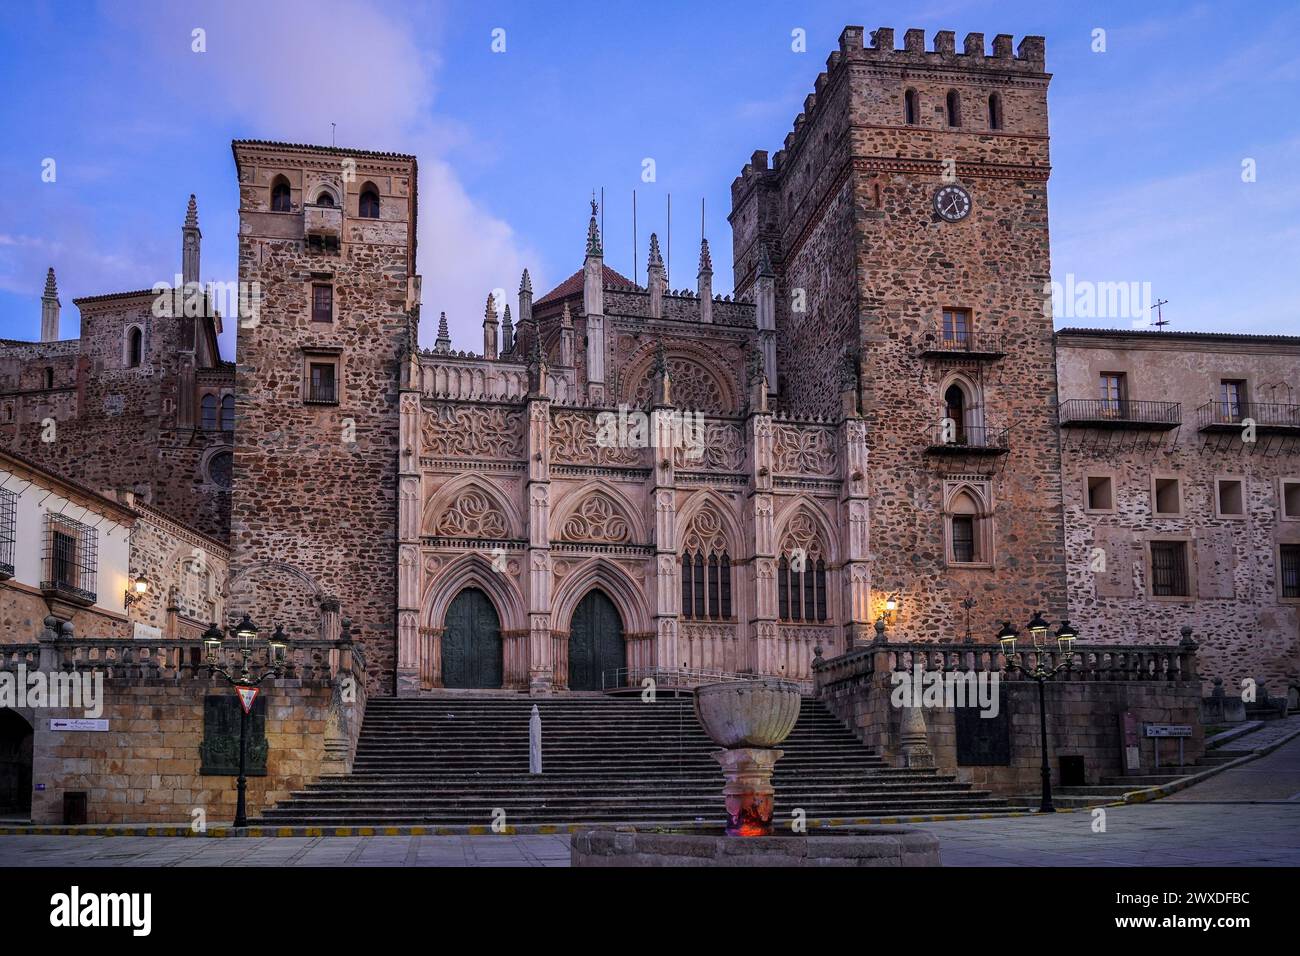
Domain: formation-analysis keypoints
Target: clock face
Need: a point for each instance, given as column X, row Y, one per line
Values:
column 952, row 203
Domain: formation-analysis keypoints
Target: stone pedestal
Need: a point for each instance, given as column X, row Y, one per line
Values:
column 749, row 792
column 913, row 741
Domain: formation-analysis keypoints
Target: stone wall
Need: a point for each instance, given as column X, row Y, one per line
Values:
column 145, row 767
column 1084, row 709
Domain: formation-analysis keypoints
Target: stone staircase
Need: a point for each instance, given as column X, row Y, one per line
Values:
column 458, row 760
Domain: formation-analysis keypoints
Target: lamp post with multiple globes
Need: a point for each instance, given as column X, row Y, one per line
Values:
column 1040, row 673
column 240, row 676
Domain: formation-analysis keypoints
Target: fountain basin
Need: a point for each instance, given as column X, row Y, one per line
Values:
column 751, row 713
column 868, row 846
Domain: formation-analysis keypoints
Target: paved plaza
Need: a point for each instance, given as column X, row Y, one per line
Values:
column 1246, row 816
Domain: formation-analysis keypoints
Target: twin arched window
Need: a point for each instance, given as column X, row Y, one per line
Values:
column 368, row 204
column 706, row 586
column 280, row 200
column 228, row 413
column 209, row 406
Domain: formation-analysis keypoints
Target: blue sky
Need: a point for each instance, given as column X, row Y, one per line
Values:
column 1148, row 138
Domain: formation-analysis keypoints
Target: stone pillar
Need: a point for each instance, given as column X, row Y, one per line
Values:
column 409, row 574
column 764, row 628
column 667, row 584
column 855, row 525
column 765, row 317
column 655, row 279
column 913, row 742
column 541, row 651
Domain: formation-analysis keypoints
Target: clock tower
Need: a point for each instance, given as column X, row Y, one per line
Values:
column 905, row 219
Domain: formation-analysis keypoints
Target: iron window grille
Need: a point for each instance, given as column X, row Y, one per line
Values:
column 71, row 558
column 8, row 532
column 1290, row 554
column 1169, row 568
column 963, row 539
column 322, row 383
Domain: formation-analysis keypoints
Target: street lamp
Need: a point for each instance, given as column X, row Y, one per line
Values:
column 1039, row 629
column 246, row 685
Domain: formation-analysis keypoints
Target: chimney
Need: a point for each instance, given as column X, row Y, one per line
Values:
column 50, row 309
column 706, row 282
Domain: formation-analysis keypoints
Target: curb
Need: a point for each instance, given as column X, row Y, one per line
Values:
column 1182, row 783
column 182, row 830
column 1218, row 740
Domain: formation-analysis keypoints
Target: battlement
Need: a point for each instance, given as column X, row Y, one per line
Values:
column 1028, row 58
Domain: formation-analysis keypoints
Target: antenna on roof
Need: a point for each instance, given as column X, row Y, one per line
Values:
column 634, row 266
column 1160, row 321
column 602, row 215
column 331, row 135
column 668, row 268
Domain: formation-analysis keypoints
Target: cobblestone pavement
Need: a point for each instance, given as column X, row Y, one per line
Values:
column 1248, row 816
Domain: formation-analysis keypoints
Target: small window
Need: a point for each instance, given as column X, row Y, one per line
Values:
column 325, row 199
column 280, row 201
column 1289, row 561
column 1101, row 493
column 49, row 378
column 368, row 205
column 1167, row 496
column 956, row 327
column 228, row 413
column 71, row 559
column 910, row 108
column 1290, row 499
column 134, row 348
column 1169, row 569
column 322, row 302
column 1230, row 499
column 995, row 111
column 954, row 109
column 209, row 406
column 963, row 539
column 322, row 383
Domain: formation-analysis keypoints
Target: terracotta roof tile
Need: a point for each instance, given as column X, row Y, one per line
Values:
column 573, row 285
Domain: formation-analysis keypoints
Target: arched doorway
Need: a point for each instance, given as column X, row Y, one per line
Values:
column 595, row 642
column 471, row 642
column 954, row 408
column 15, row 765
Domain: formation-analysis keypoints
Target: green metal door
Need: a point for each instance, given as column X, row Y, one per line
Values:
column 471, row 642
column 595, row 643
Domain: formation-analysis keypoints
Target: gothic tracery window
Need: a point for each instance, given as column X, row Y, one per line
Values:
column 280, row 195
column 706, row 570
column 801, row 573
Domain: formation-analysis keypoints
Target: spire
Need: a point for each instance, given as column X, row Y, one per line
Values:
column 656, row 260
column 566, row 318
column 192, row 214
column 525, row 283
column 507, row 332
column 490, row 325
column 190, row 239
column 704, row 287
column 443, row 342
column 593, row 232
column 706, row 261
column 50, row 309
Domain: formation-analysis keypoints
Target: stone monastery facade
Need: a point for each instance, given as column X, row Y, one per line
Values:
column 634, row 479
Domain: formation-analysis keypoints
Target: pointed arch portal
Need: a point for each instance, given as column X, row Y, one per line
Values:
column 595, row 643
column 471, row 642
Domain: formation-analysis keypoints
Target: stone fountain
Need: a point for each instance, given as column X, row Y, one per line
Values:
column 748, row 719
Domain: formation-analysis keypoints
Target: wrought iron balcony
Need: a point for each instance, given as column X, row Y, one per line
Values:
column 977, row 440
column 1120, row 413
column 971, row 345
column 63, row 591
column 1272, row 417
